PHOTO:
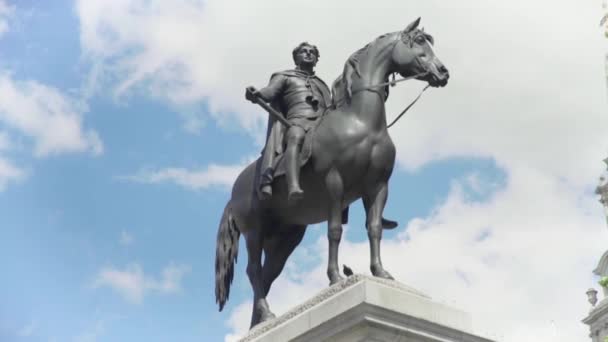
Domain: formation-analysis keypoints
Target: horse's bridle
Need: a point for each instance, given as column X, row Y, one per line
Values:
column 374, row 89
column 406, row 39
column 391, row 83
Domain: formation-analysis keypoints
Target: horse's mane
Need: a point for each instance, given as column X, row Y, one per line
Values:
column 342, row 87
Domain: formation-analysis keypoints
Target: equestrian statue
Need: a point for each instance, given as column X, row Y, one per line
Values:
column 322, row 153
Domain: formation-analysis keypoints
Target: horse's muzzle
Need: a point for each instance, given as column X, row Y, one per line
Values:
column 440, row 80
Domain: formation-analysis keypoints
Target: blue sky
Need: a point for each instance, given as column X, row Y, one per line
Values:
column 123, row 125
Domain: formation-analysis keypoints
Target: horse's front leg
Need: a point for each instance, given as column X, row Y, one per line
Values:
column 335, row 188
column 374, row 202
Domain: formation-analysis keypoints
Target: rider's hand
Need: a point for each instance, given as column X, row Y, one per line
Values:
column 251, row 94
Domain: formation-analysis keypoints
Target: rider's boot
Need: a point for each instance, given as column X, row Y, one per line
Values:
column 266, row 184
column 386, row 223
column 294, row 144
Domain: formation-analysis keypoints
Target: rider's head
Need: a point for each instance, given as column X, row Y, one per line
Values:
column 305, row 54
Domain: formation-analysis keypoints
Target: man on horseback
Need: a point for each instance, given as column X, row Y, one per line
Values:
column 302, row 98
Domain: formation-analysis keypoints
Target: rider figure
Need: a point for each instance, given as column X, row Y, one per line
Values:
column 302, row 97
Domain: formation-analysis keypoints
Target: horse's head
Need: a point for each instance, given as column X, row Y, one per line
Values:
column 413, row 55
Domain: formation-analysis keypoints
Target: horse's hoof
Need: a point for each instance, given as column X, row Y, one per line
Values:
column 335, row 279
column 267, row 316
column 387, row 275
column 381, row 273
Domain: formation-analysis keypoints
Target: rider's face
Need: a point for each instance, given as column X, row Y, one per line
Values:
column 306, row 55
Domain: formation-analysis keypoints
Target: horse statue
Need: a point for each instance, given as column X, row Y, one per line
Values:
column 352, row 158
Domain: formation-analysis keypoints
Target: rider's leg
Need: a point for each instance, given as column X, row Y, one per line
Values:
column 295, row 138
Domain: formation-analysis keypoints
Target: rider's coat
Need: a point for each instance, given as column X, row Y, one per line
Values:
column 302, row 98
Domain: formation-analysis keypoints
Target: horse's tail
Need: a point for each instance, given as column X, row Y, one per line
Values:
column 227, row 249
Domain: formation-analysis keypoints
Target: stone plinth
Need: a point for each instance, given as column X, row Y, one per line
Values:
column 363, row 308
column 597, row 320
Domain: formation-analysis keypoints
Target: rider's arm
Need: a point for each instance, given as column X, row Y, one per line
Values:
column 275, row 88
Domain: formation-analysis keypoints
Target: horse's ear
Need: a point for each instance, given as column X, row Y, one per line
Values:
column 412, row 26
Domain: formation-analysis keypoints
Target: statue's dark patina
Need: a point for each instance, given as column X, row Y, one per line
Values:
column 348, row 156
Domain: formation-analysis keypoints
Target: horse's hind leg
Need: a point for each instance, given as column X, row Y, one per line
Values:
column 254, row 240
column 277, row 248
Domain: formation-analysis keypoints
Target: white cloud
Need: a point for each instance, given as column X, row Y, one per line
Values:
column 521, row 94
column 5, row 142
column 42, row 113
column 519, row 263
column 93, row 334
column 504, row 89
column 213, row 175
column 125, row 238
column 47, row 116
column 507, row 100
column 239, row 321
column 171, row 47
column 133, row 284
column 10, row 173
column 5, row 13
column 28, row 330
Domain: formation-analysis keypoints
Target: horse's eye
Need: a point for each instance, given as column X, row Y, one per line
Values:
column 420, row 40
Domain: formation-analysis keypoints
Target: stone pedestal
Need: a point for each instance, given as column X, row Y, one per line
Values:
column 597, row 320
column 363, row 308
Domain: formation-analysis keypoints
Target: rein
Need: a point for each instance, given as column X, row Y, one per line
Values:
column 391, row 83
column 408, row 107
column 373, row 88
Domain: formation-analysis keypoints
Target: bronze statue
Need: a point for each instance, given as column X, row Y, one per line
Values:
column 347, row 156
